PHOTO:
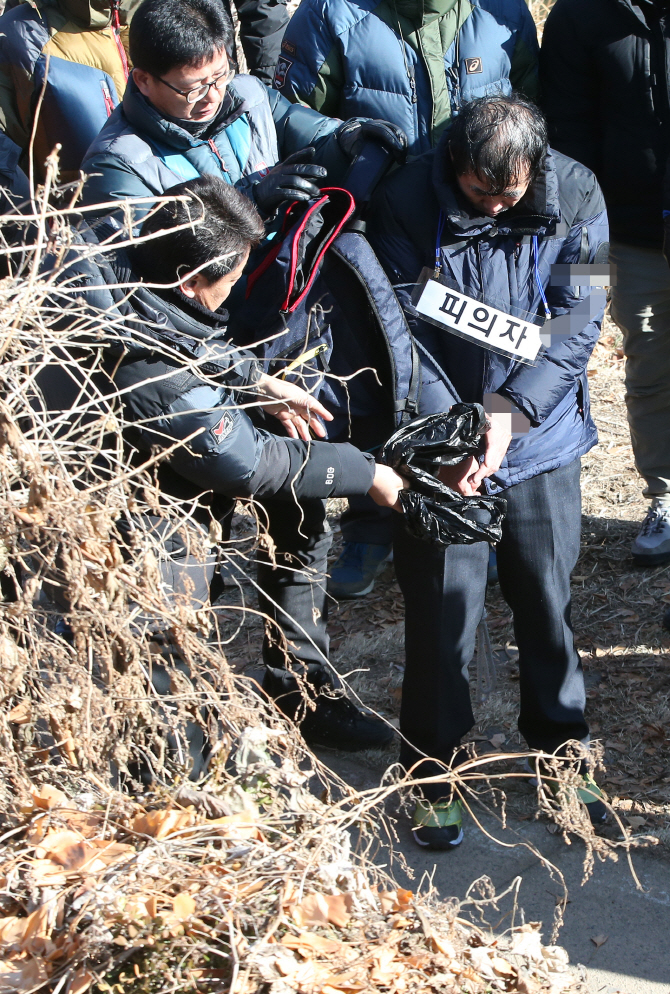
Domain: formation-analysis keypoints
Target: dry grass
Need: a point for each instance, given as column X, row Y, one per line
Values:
column 245, row 881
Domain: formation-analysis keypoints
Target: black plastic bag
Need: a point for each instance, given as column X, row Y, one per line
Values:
column 432, row 510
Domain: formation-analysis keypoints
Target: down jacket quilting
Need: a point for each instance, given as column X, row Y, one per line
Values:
column 78, row 47
column 412, row 63
column 140, row 153
column 564, row 210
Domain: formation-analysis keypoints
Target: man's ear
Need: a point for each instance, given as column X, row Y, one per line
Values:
column 191, row 285
column 142, row 80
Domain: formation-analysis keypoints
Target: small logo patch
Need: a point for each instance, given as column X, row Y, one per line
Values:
column 223, row 428
column 286, row 46
column 473, row 66
column 281, row 72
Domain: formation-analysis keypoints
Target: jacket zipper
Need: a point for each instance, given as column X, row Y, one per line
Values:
column 411, row 75
column 116, row 31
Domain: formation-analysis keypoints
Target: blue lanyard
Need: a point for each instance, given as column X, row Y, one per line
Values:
column 538, row 280
column 536, row 263
column 438, row 245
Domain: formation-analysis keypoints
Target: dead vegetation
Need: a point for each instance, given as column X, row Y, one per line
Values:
column 117, row 872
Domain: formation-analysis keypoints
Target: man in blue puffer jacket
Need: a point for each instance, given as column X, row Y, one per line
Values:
column 508, row 232
column 413, row 63
column 186, row 114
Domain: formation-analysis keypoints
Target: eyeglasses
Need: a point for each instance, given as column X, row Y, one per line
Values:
column 200, row 92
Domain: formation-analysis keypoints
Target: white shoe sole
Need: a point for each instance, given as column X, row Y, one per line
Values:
column 426, row 845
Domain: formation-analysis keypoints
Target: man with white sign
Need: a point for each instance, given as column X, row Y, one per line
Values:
column 496, row 245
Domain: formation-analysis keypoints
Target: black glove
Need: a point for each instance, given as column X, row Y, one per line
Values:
column 353, row 134
column 296, row 178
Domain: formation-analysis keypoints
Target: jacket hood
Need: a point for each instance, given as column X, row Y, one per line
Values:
column 89, row 14
column 154, row 127
column 538, row 211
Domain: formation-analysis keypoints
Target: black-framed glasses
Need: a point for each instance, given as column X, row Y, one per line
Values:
column 200, row 92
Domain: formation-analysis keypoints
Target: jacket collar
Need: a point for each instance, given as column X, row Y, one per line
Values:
column 151, row 124
column 422, row 11
column 537, row 213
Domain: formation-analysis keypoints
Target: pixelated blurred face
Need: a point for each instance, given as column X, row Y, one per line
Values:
column 478, row 192
column 189, row 93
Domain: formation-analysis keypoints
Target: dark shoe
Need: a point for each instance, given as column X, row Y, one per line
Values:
column 652, row 545
column 438, row 825
column 339, row 724
column 589, row 793
column 357, row 568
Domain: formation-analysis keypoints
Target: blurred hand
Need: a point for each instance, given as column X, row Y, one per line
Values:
column 496, row 441
column 386, row 486
column 467, row 476
column 293, row 406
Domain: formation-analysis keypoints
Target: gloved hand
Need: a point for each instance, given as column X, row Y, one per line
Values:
column 296, row 178
column 352, row 135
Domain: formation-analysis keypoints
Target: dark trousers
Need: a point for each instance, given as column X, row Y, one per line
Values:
column 444, row 592
column 294, row 594
column 365, row 521
column 292, row 587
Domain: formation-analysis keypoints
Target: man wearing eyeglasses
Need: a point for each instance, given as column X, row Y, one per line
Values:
column 186, row 114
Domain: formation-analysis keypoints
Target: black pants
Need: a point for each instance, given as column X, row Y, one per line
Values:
column 294, row 594
column 444, row 592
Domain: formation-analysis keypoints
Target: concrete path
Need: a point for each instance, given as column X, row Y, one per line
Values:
column 634, row 959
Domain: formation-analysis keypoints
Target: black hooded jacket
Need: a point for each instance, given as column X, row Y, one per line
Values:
column 605, row 78
column 180, row 378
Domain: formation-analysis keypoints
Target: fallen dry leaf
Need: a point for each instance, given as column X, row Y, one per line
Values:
column 395, row 900
column 160, row 824
column 11, row 931
column 22, row 974
column 337, row 910
column 66, row 848
column 237, row 826
column 599, row 940
column 21, row 714
column 80, row 982
column 498, row 740
column 48, row 797
column 183, row 906
column 308, row 943
column 312, row 910
column 617, row 746
column 636, row 821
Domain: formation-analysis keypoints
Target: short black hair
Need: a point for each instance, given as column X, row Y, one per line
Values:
column 220, row 221
column 496, row 137
column 165, row 34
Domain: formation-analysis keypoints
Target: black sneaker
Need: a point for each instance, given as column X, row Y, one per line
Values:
column 339, row 724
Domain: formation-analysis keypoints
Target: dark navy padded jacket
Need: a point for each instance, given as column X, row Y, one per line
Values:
column 564, row 209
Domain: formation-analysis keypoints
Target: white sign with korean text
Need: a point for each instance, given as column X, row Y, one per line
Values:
column 480, row 323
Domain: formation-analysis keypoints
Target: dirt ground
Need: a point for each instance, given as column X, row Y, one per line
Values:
column 617, row 613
